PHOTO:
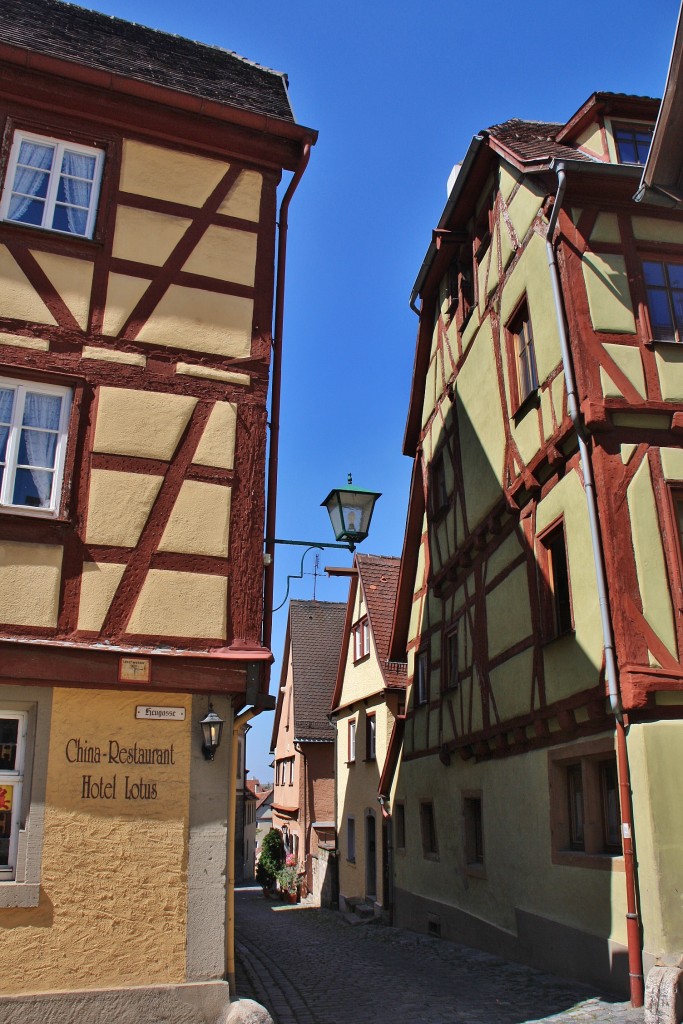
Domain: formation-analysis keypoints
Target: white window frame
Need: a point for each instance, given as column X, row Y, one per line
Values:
column 352, row 740
column 15, row 779
column 371, row 733
column 361, row 639
column 61, row 147
column 12, row 453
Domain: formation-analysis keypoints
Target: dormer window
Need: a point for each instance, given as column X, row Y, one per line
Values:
column 632, row 142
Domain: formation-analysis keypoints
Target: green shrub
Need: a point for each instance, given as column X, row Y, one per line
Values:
column 271, row 860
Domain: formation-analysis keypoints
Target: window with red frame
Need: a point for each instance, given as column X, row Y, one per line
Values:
column 422, row 677
column 520, row 336
column 664, row 288
column 557, row 604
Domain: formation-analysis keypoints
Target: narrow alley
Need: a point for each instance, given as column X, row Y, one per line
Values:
column 308, row 966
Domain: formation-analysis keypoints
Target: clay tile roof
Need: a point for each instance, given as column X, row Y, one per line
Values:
column 316, row 629
column 379, row 578
column 534, row 141
column 72, row 33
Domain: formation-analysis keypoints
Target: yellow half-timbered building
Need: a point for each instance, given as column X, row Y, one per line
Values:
column 138, row 177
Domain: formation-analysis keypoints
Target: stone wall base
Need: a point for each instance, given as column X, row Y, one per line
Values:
column 537, row 941
column 194, row 1003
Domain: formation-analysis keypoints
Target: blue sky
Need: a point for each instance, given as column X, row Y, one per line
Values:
column 396, row 91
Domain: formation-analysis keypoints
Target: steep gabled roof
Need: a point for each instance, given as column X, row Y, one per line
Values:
column 316, row 629
column 379, row 576
column 67, row 32
column 534, row 142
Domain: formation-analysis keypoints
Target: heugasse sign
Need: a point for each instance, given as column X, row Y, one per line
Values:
column 133, row 783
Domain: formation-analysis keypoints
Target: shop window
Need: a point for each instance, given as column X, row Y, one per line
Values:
column 522, row 356
column 664, row 288
column 554, row 567
column 422, row 677
column 428, row 829
column 474, row 831
column 585, row 814
column 33, row 432
column 12, row 748
column 370, row 737
column 633, row 142
column 52, row 184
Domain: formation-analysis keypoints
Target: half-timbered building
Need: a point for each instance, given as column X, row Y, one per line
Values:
column 138, row 177
column 540, row 597
column 369, row 694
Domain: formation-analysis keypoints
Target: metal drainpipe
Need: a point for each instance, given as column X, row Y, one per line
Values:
column 271, row 507
column 635, row 957
column 241, row 720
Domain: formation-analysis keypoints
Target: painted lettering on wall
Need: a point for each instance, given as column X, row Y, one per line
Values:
column 115, row 786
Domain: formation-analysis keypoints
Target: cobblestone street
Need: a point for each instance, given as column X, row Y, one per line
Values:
column 308, row 966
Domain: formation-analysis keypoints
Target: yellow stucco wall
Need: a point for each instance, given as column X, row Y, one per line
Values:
column 168, row 174
column 519, row 873
column 202, row 321
column 217, row 444
column 72, row 280
column 114, row 866
column 245, row 198
column 629, row 361
column 19, row 299
column 145, row 236
column 199, row 521
column 609, row 299
column 133, row 494
column 98, row 586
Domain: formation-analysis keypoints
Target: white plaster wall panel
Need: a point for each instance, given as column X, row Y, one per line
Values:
column 30, row 576
column 162, row 173
column 225, row 253
column 649, row 557
column 245, row 197
column 98, row 586
column 629, row 361
column 181, row 604
column 142, row 423
column 20, row 301
column 145, row 236
column 201, row 321
column 199, row 523
column 72, row 280
column 217, row 444
column 118, row 506
column 123, row 295
column 16, row 341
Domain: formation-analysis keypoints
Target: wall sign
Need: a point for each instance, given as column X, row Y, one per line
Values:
column 135, row 670
column 159, row 714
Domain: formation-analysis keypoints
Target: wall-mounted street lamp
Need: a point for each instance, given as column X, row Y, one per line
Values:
column 212, row 730
column 350, row 510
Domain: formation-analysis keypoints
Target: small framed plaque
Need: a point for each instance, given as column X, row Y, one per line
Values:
column 135, row 670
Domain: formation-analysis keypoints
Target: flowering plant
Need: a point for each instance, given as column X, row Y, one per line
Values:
column 288, row 876
column 290, row 860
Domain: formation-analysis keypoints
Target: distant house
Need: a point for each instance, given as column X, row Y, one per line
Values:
column 368, row 696
column 303, row 738
column 263, row 816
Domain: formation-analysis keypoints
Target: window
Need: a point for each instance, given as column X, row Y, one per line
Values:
column 370, row 737
column 422, row 677
column 555, row 573
column 584, row 800
column 361, row 639
column 33, row 427
column 474, row 831
column 290, row 771
column 428, row 828
column 400, row 826
column 439, row 483
column 632, row 142
column 52, row 184
column 449, row 676
column 524, row 378
column 352, row 740
column 351, row 839
column 664, row 287
column 12, row 741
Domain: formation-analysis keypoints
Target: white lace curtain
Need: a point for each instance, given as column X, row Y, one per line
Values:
column 35, row 162
column 41, row 412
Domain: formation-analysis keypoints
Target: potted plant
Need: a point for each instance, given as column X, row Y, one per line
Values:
column 271, row 860
column 288, row 879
